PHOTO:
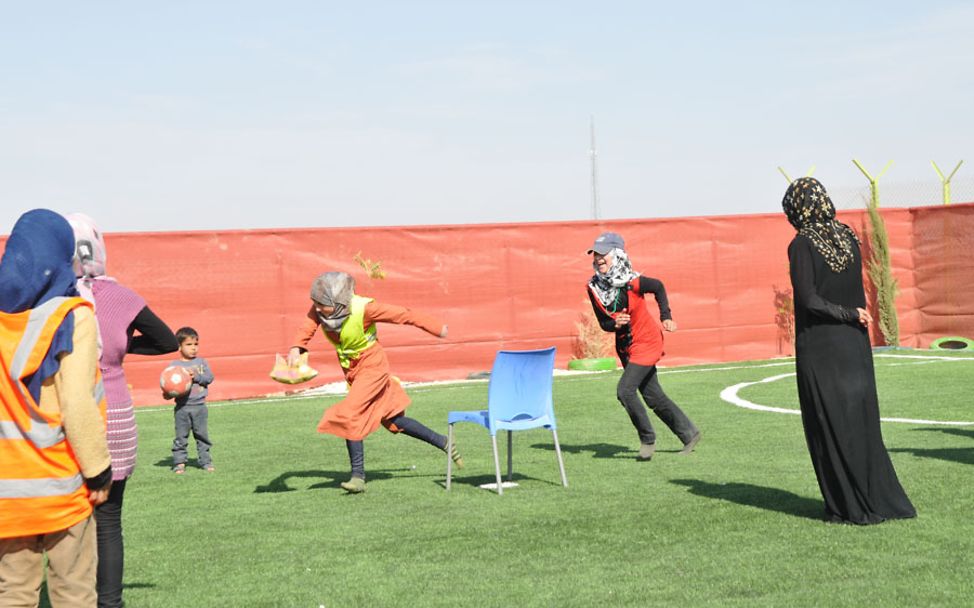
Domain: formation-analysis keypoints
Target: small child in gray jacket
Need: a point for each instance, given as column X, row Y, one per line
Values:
column 191, row 412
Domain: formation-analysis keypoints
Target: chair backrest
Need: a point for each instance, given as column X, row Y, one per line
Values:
column 520, row 385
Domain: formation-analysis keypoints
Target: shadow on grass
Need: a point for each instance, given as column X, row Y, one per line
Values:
column 168, row 463
column 961, row 455
column 969, row 433
column 479, row 480
column 598, row 450
column 749, row 495
column 332, row 479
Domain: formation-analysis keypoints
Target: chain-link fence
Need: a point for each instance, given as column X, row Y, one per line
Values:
column 904, row 194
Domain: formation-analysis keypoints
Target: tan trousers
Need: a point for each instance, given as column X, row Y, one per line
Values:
column 72, row 561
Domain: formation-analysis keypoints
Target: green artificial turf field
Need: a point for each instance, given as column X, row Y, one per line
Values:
column 737, row 523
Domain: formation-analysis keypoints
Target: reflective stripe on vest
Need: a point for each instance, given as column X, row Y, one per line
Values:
column 41, row 485
column 46, row 486
column 40, row 432
column 354, row 339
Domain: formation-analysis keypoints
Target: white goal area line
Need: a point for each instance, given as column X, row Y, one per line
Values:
column 730, row 394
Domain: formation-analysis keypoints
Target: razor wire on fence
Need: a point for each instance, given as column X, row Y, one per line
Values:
column 919, row 193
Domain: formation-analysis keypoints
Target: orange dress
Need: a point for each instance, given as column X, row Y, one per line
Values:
column 374, row 396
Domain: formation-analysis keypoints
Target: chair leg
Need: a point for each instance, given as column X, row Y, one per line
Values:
column 497, row 465
column 510, row 455
column 449, row 461
column 561, row 464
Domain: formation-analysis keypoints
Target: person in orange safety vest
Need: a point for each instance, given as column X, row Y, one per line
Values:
column 54, row 461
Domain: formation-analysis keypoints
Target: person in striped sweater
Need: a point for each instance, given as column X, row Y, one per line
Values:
column 125, row 325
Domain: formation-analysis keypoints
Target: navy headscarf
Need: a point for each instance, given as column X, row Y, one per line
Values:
column 35, row 268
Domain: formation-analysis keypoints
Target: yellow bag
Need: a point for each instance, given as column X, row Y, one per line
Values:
column 299, row 372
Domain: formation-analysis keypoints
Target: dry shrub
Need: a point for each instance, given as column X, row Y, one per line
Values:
column 590, row 341
column 373, row 269
column 880, row 273
column 784, row 319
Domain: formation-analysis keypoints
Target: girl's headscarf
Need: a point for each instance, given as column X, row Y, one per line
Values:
column 607, row 286
column 35, row 268
column 333, row 289
column 90, row 255
column 810, row 210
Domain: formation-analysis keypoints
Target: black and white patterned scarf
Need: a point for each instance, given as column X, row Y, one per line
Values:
column 810, row 210
column 607, row 287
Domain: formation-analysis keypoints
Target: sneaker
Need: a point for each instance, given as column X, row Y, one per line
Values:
column 455, row 454
column 646, row 451
column 688, row 446
column 179, row 469
column 209, row 468
column 355, row 485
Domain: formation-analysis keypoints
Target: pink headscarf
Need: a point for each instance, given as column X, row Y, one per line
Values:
column 89, row 255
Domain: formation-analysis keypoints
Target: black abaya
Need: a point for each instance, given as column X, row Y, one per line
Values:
column 837, row 391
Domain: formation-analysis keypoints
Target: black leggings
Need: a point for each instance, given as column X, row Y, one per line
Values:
column 413, row 428
column 111, row 551
column 642, row 380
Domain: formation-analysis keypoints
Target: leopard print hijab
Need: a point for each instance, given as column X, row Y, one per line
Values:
column 810, row 210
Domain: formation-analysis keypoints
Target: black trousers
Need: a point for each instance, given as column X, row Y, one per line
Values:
column 111, row 552
column 642, row 380
column 413, row 428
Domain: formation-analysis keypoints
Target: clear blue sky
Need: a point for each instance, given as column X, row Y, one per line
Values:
column 202, row 115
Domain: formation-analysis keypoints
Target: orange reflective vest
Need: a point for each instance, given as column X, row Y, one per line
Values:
column 41, row 486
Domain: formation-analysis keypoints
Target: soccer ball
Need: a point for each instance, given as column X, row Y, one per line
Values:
column 175, row 381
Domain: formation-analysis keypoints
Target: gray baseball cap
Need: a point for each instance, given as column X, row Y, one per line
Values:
column 606, row 242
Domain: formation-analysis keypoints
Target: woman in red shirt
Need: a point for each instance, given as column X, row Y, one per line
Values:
column 616, row 292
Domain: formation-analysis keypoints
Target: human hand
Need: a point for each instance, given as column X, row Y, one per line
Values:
column 622, row 319
column 97, row 497
column 865, row 319
column 293, row 355
column 443, row 332
column 669, row 325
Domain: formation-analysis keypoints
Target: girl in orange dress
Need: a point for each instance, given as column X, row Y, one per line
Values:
column 375, row 397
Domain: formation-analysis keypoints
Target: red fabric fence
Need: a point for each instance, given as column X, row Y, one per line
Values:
column 512, row 286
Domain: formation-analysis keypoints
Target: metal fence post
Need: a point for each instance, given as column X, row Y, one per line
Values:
column 946, row 180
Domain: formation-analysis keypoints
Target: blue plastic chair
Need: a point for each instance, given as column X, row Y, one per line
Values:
column 518, row 398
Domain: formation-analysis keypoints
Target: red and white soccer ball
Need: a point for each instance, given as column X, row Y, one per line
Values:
column 175, row 381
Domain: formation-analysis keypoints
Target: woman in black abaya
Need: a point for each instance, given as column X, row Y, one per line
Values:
column 833, row 358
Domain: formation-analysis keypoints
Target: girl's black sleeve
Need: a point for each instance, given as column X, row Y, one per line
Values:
column 655, row 287
column 155, row 337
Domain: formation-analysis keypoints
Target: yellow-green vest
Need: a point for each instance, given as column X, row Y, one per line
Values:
column 353, row 339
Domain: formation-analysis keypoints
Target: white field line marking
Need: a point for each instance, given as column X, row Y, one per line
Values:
column 332, row 390
column 721, row 369
column 730, row 395
column 935, row 357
